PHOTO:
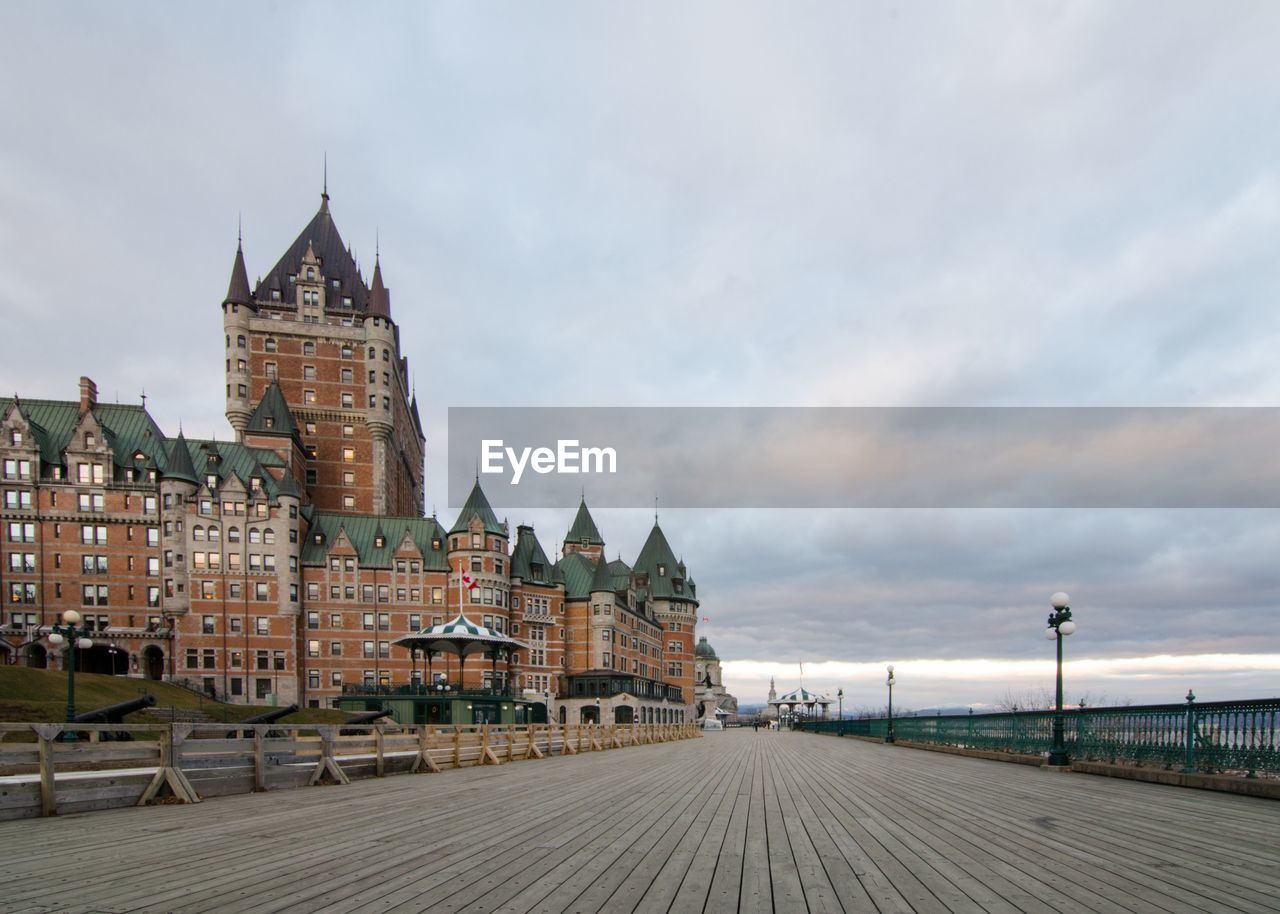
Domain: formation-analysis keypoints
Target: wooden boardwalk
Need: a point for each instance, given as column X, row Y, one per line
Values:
column 736, row 821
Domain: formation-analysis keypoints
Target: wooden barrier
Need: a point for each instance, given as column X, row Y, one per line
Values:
column 43, row 775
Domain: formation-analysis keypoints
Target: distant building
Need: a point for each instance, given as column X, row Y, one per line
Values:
column 282, row 564
column 710, row 697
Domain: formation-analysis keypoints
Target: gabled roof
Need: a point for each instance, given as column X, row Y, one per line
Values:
column 528, row 553
column 584, row 528
column 362, row 529
column 477, row 505
column 336, row 262
column 272, row 416
column 127, row 428
column 228, row 461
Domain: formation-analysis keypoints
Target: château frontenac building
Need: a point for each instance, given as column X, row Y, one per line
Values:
column 281, row 565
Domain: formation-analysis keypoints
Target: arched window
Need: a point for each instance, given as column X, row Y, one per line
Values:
column 233, row 534
column 214, row 534
column 197, row 533
column 255, row 535
column 268, row 536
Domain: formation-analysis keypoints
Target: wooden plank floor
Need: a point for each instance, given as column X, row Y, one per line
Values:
column 735, row 821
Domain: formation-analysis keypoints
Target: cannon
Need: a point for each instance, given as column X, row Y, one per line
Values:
column 266, row 717
column 270, row 717
column 368, row 717
column 114, row 714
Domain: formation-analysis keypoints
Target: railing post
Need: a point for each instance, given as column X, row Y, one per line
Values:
column 47, row 733
column 259, row 761
column 1189, row 763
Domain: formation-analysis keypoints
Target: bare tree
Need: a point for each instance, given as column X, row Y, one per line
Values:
column 1028, row 699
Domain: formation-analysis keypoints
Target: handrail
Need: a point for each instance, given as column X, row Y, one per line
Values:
column 1209, row 737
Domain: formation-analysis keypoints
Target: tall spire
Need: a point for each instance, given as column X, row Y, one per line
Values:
column 324, row 192
column 238, row 290
column 379, row 301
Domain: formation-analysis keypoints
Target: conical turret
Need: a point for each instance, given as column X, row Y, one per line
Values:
column 238, row 290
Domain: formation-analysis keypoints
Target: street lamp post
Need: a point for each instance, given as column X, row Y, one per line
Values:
column 840, row 699
column 74, row 637
column 889, row 682
column 1060, row 625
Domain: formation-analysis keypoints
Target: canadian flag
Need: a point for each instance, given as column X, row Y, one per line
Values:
column 468, row 580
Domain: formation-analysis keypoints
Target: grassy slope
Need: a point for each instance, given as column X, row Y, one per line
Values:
column 41, row 695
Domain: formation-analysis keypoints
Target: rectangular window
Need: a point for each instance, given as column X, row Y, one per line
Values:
column 262, row 625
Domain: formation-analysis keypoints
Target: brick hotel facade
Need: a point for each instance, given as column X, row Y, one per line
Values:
column 281, row 565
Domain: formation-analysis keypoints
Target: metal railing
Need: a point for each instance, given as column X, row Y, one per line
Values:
column 1214, row 737
column 454, row 690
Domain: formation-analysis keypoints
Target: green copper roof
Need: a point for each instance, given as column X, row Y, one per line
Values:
column 477, row 505
column 272, row 416
column 227, row 460
column 178, row 464
column 602, row 579
column 128, row 429
column 584, row 528
column 666, row 573
column 363, row 530
column 705, row 650
column 578, row 572
column 527, row 554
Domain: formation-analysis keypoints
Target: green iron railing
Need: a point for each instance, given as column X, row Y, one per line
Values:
column 1223, row 736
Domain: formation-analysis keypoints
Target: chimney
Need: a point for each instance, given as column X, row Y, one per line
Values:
column 88, row 394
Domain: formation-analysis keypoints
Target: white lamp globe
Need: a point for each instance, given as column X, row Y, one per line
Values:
column 1050, row 634
column 71, row 617
column 84, row 643
column 889, row 668
column 1067, row 627
column 1060, row 600
column 55, row 639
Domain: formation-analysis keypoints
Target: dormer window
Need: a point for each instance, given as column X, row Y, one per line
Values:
column 379, row 542
column 15, row 437
column 435, row 543
column 319, row 539
column 662, row 570
column 269, row 422
column 275, row 294
column 89, row 439
column 337, row 284
column 346, row 301
column 211, row 481
column 311, row 273
column 293, row 277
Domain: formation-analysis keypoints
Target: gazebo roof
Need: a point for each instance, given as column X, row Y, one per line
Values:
column 459, row 636
column 801, row 696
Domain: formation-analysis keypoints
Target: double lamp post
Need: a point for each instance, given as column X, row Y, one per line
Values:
column 74, row 637
column 1060, row 626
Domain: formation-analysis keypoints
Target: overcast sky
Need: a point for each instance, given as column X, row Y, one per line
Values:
column 736, row 204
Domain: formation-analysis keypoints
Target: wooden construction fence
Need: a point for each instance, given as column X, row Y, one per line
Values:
column 185, row 762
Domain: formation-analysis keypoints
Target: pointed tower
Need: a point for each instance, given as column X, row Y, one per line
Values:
column 314, row 326
column 236, row 310
column 583, row 536
column 661, row 580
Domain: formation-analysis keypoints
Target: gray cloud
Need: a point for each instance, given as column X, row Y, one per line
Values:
column 733, row 204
